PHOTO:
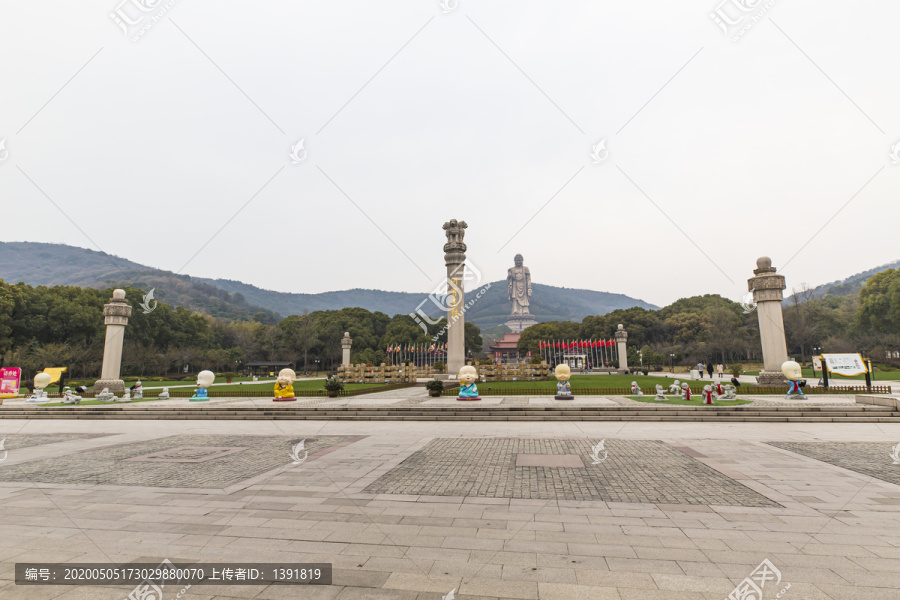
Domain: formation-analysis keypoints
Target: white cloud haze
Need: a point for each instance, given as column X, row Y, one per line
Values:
column 483, row 115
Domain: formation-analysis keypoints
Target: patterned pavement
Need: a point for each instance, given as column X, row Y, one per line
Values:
column 184, row 461
column 681, row 523
column 867, row 458
column 646, row 471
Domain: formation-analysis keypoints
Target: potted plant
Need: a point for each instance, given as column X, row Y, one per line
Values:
column 333, row 387
column 435, row 387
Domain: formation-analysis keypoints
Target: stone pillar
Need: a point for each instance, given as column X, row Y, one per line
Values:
column 116, row 315
column 346, row 343
column 768, row 288
column 621, row 339
column 455, row 260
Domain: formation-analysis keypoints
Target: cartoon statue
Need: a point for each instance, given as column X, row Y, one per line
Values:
column 284, row 386
column 468, row 375
column 563, row 389
column 138, row 390
column 685, row 392
column 164, row 395
column 675, row 388
column 660, row 394
column 41, row 380
column 204, row 380
column 106, row 396
column 636, row 389
column 792, row 373
column 729, row 392
column 126, row 397
column 707, row 394
column 69, row 397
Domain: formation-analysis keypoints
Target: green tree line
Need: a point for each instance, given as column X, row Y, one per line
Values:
column 62, row 326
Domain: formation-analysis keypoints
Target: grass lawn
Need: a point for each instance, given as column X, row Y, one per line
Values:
column 692, row 402
column 836, row 379
column 647, row 383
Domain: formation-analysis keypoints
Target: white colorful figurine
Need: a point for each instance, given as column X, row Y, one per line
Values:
column 707, row 394
column 563, row 389
column 138, row 390
column 675, row 388
column 164, row 395
column 636, row 389
column 204, row 380
column 660, row 394
column 69, row 397
column 729, row 392
column 126, row 397
column 792, row 373
column 106, row 396
column 685, row 392
column 41, row 381
column 468, row 375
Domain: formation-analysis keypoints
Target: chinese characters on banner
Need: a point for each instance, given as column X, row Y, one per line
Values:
column 10, row 377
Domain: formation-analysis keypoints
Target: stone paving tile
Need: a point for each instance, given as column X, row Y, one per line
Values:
column 635, row 471
column 18, row 441
column 114, row 465
column 868, row 458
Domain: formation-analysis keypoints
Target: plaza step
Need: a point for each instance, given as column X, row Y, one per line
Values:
column 808, row 414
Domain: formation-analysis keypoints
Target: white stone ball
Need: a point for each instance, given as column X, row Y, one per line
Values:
column 42, row 380
column 763, row 262
column 118, row 294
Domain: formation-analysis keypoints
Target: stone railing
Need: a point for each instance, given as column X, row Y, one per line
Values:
column 361, row 373
column 517, row 372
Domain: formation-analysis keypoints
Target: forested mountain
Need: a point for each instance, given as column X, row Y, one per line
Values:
column 57, row 264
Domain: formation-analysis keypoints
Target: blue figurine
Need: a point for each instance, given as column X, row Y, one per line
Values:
column 467, row 388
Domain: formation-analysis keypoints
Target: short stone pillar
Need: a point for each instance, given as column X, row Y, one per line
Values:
column 116, row 315
column 346, row 343
column 455, row 259
column 767, row 288
column 621, row 347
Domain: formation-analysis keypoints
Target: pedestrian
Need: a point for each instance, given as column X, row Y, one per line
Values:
column 735, row 382
column 709, row 369
column 700, row 368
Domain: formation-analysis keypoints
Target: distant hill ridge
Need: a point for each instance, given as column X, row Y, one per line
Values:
column 58, row 264
column 851, row 285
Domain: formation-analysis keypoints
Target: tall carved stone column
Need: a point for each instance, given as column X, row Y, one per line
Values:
column 116, row 315
column 767, row 288
column 346, row 343
column 621, row 346
column 455, row 259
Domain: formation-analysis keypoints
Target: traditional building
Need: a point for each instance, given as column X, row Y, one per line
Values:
column 506, row 350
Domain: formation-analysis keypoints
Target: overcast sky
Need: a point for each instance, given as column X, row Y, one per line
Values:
column 174, row 150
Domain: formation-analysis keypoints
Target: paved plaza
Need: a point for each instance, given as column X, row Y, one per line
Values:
column 415, row 510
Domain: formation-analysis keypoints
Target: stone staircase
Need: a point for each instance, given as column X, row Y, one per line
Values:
column 466, row 412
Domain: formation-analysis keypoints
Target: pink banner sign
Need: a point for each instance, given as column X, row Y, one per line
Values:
column 10, row 377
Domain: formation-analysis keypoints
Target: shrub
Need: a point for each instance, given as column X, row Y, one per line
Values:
column 439, row 366
column 536, row 360
column 736, row 370
column 333, row 385
column 434, row 387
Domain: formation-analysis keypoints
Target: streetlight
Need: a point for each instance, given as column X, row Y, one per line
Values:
column 672, row 363
column 815, row 350
column 317, row 366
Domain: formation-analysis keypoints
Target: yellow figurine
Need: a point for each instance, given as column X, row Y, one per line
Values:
column 284, row 386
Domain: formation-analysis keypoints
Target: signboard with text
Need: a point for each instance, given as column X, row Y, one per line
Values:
column 817, row 363
column 10, row 377
column 847, row 365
